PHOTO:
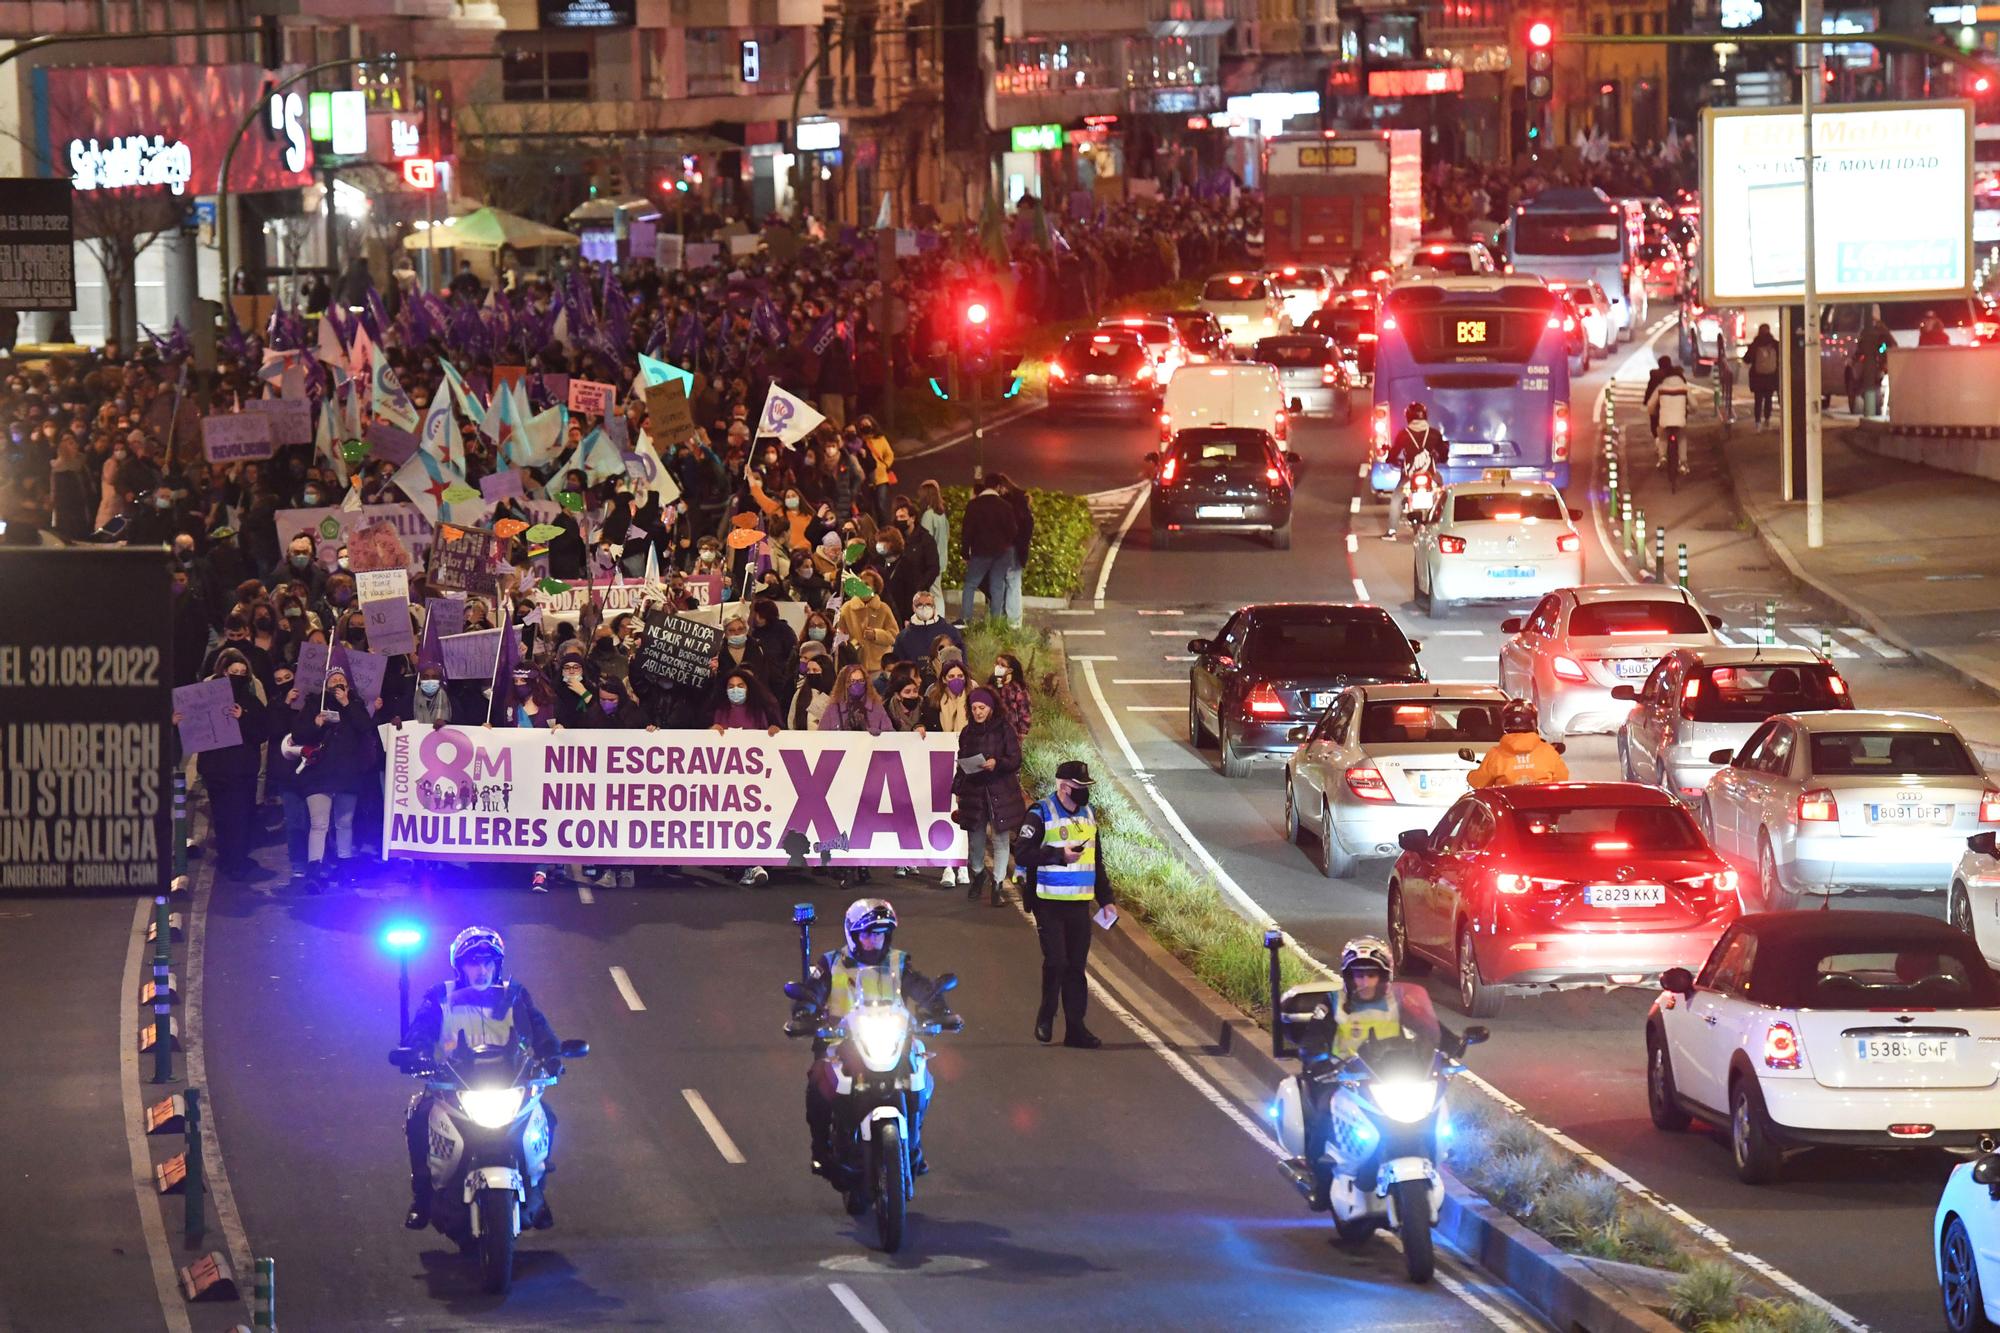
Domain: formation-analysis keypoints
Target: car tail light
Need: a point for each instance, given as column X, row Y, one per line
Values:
column 1143, row 373
column 1369, row 337
column 1380, row 427
column 1984, row 329
column 1689, row 693
column 1273, row 476
column 1057, row 371
column 1818, row 807
column 1508, row 882
column 1329, row 374
column 1263, row 702
column 1559, row 438
column 1836, row 685
column 1168, row 468
column 1566, row 668
column 1624, row 270
column 1450, row 545
column 1569, row 324
column 1166, row 427
column 1739, row 326
column 1989, row 806
column 1388, row 323
column 1719, row 882
column 1365, row 781
column 1781, row 1047
column 1283, row 431
column 1554, row 322
column 1569, row 543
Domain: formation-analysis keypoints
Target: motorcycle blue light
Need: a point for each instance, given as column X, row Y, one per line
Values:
column 402, row 937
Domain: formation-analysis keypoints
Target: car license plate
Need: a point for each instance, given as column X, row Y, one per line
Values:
column 1514, row 572
column 1907, row 1050
column 1321, row 699
column 1909, row 814
column 1435, row 779
column 1218, row 511
column 1625, row 895
column 1100, row 379
column 1631, row 668
column 1471, row 447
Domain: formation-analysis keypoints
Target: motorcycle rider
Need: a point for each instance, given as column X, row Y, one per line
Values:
column 1371, row 1003
column 1520, row 756
column 486, row 1010
column 1416, row 448
column 838, row 982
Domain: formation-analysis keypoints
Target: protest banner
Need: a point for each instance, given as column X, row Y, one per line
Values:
column 498, row 486
column 238, row 437
column 700, row 254
column 205, row 723
column 669, row 248
column 462, row 558
column 378, row 547
column 331, row 527
column 678, row 650
column 611, row 598
column 291, row 418
column 668, row 416
column 365, row 673
column 444, row 615
column 706, row 589
column 391, row 444
column 631, row 797
column 468, row 656
column 592, row 398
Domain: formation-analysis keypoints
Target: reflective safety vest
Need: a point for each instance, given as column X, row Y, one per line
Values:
column 1067, row 881
column 475, row 1013
column 854, row 982
column 1358, row 1026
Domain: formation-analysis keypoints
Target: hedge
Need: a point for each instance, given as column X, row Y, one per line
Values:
column 1063, row 532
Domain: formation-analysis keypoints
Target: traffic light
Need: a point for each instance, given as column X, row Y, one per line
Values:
column 1539, row 82
column 975, row 333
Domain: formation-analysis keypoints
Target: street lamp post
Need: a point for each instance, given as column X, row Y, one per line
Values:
column 1815, row 470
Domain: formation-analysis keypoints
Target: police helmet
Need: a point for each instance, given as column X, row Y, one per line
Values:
column 864, row 915
column 1365, row 953
column 474, row 941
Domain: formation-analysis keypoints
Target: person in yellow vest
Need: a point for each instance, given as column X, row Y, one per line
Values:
column 1371, row 1004
column 1521, row 756
column 842, row 979
column 1066, row 885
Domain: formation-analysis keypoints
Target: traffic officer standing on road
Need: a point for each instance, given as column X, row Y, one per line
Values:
column 1064, row 860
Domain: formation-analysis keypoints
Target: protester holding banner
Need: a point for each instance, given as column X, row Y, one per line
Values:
column 815, row 670
column 988, row 788
column 341, row 755
column 854, row 706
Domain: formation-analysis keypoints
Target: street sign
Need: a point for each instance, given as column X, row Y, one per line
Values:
column 1035, row 138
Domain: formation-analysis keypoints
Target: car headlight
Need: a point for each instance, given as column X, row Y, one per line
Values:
column 879, row 1035
column 491, row 1108
column 1407, row 1100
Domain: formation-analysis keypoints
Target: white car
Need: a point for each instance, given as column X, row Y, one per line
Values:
column 1828, row 802
column 1975, row 894
column 1836, row 1029
column 1247, row 307
column 1700, row 700
column 1302, row 289
column 1965, row 1235
column 1580, row 644
column 1450, row 259
column 1497, row 541
column 1600, row 322
column 1383, row 759
column 1162, row 339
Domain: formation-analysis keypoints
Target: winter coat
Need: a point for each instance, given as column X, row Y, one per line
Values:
column 870, row 626
column 991, row 796
column 990, row 526
column 849, row 716
column 350, row 751
column 1668, row 402
column 913, row 643
column 1520, row 758
column 242, row 760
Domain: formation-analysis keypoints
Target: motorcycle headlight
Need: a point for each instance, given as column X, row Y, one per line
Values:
column 1407, row 1100
column 879, row 1037
column 491, row 1108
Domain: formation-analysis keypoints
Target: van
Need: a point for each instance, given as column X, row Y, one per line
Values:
column 1841, row 326
column 1243, row 394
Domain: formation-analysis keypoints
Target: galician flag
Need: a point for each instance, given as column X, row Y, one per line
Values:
column 440, row 434
column 646, row 469
column 326, row 446
column 331, row 353
column 543, row 434
column 425, row 478
column 652, row 371
column 391, row 403
column 468, row 401
column 595, row 456
column 786, row 416
column 507, row 426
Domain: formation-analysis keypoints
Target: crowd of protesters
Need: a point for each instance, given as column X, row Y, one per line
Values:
column 1470, row 199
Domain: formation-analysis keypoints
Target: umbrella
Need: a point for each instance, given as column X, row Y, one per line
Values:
column 487, row 229
column 606, row 210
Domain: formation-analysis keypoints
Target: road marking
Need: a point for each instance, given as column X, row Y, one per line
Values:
column 1811, row 638
column 1168, row 633
column 1874, row 644
column 1093, row 657
column 1354, row 505
column 166, row 1285
column 716, row 1133
column 859, row 1312
column 1172, row 611
column 1153, row 708
column 1458, row 633
column 584, row 895
column 1111, row 552
column 1172, row 657
column 1360, row 590
column 624, row 984
column 1353, row 543
column 219, row 1189
column 1087, row 633
column 953, row 441
column 1075, row 611
column 1494, row 658
column 1149, row 680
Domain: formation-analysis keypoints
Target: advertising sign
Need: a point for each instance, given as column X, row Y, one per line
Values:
column 86, row 674
column 1035, row 138
column 237, row 437
column 37, row 254
column 630, row 797
column 587, row 13
column 1892, row 202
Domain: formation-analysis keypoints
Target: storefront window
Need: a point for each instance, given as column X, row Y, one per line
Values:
column 543, row 74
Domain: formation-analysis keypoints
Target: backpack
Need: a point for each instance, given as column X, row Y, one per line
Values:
column 1764, row 361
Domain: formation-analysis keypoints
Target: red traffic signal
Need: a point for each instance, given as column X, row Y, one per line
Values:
column 976, row 313
column 1541, row 33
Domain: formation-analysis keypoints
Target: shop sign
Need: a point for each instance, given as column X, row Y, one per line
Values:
column 1035, row 138
column 1415, row 82
column 162, row 127
column 818, row 136
column 122, row 163
column 404, row 137
column 350, row 124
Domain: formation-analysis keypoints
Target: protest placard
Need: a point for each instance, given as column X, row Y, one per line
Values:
column 472, row 655
column 204, row 712
column 365, row 672
column 389, row 629
column 291, row 418
column 378, row 547
column 592, row 398
column 500, row 485
column 462, row 558
column 444, row 615
column 242, row 437
column 668, row 416
column 669, row 248
column 390, row 443
column 381, row 584
column 677, row 650
column 700, row 254
column 310, row 675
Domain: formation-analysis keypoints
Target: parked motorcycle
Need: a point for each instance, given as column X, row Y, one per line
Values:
column 1384, row 1108
column 489, row 1144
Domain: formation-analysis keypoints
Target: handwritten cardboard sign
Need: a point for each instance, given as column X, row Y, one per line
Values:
column 205, row 721
column 390, row 443
column 591, row 397
column 462, row 558
column 677, row 650
column 243, row 437
column 291, row 418
column 502, row 485
column 378, row 547
column 471, row 656
column 669, row 417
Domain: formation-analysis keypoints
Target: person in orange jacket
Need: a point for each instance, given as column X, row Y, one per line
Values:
column 1522, row 756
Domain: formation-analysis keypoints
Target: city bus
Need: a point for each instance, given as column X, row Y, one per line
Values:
column 1486, row 358
column 1583, row 235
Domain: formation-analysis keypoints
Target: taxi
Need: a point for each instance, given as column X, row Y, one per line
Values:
column 1497, row 540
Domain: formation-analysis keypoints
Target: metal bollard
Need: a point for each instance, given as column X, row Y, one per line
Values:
column 192, row 1193
column 180, row 823
column 1681, row 564
column 1826, row 643
column 1637, row 536
column 1625, row 521
column 264, row 1295
column 163, row 1037
column 1770, row 621
column 1660, row 551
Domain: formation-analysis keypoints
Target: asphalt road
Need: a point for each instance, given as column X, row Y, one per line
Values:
column 1851, row 1226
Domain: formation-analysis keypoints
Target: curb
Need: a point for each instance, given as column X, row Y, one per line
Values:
column 926, row 448
column 1565, row 1290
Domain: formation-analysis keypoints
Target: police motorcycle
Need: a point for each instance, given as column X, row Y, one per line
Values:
column 1383, row 1107
column 882, row 1072
column 489, row 1143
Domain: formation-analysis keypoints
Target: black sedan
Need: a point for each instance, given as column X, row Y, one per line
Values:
column 1350, row 321
column 1107, row 371
column 1203, row 334
column 1222, row 479
column 1278, row 664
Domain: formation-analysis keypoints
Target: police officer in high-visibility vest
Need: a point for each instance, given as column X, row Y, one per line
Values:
column 1066, row 884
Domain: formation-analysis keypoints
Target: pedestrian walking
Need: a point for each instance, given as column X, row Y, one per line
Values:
column 1763, row 358
column 1066, row 879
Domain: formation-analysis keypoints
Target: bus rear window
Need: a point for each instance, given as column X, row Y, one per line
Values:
column 1566, row 234
column 1489, row 507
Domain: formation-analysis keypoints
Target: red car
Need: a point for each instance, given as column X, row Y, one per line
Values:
column 1558, row 886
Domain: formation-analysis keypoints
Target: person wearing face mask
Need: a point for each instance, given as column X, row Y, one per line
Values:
column 299, row 565
column 339, row 599
column 815, row 676
column 236, row 636
column 230, row 774
column 917, row 642
column 429, row 703
column 904, row 702
column 854, row 706
column 200, row 574
column 807, row 581
column 1060, row 852
column 740, row 651
column 741, row 701
column 774, row 638
column 281, row 769
column 617, row 708
column 948, row 698
column 987, row 786
column 902, row 578
column 341, row 753
column 918, row 546
column 1009, row 683
column 576, row 695
column 866, row 620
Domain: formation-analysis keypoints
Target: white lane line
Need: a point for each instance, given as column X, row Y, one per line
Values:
column 1093, row 657
column 584, row 895
column 1493, row 658
column 716, row 1133
column 1153, row 708
column 1171, row 611
column 1075, row 611
column 1833, row 647
column 858, row 1312
column 1458, row 633
column 1168, row 633
column 1111, row 552
column 624, row 984
column 1360, row 590
column 1873, row 644
column 1086, row 633
column 1173, row 657
column 1354, row 505
column 1149, row 680
column 1353, row 543
column 166, row 1284
column 194, row 979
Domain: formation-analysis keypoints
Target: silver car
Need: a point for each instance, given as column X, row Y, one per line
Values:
column 1827, row 802
column 1383, row 759
column 1311, row 370
column 1700, row 700
column 1579, row 644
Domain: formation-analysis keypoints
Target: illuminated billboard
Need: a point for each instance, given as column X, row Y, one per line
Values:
column 1892, row 202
